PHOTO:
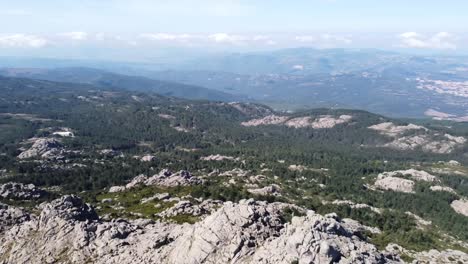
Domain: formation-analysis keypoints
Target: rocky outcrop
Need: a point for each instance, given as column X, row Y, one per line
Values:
column 218, row 157
column 431, row 256
column 438, row 188
column 390, row 129
column 19, row 191
column 394, row 184
column 417, row 175
column 45, row 148
column 392, row 180
column 10, row 216
column 165, row 178
column 148, row 158
column 428, row 141
column 272, row 189
column 68, row 231
column 460, row 206
column 324, row 121
column 267, row 120
column 188, row 208
column 168, row 179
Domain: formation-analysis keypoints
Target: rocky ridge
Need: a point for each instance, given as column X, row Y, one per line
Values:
column 69, row 231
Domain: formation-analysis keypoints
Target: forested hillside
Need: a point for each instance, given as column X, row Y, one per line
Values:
column 70, row 138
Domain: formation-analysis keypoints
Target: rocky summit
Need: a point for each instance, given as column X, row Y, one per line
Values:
column 67, row 230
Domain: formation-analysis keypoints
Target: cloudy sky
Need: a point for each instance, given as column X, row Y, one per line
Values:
column 127, row 29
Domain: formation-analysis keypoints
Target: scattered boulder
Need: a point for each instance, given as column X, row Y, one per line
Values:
column 158, row 196
column 148, row 158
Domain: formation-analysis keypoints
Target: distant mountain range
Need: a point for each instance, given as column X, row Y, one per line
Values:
column 133, row 83
column 384, row 82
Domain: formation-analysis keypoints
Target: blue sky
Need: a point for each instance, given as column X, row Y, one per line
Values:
column 74, row 28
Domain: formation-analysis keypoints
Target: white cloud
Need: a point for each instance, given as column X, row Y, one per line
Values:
column 75, row 35
column 337, row 38
column 305, row 38
column 22, row 41
column 325, row 40
column 167, row 37
column 441, row 40
column 227, row 38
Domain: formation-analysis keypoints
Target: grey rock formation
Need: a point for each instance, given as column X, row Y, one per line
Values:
column 19, row 191
column 188, row 208
column 165, row 178
column 46, row 148
column 68, row 231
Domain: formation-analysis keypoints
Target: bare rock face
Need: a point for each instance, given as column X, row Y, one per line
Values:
column 19, row 191
column 42, row 148
column 68, row 231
